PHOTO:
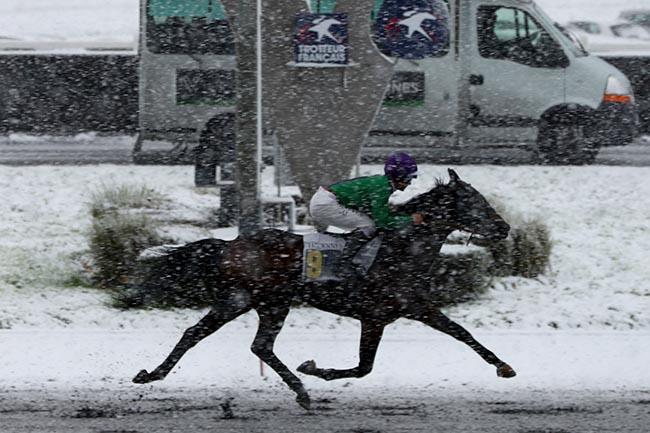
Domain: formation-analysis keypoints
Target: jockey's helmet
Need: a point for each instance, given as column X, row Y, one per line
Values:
column 400, row 166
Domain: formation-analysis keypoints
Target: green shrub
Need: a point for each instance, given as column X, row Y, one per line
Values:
column 527, row 250
column 525, row 253
column 115, row 243
column 532, row 250
column 460, row 277
column 120, row 231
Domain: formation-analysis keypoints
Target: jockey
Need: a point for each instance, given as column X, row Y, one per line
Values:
column 361, row 204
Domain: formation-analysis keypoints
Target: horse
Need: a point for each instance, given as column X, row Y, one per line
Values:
column 263, row 272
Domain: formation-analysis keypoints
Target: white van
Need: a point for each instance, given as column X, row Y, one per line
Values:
column 509, row 78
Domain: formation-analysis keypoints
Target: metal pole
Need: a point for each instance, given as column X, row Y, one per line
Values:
column 245, row 16
column 260, row 137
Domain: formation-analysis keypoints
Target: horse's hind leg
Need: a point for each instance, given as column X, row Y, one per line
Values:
column 271, row 323
column 371, row 333
column 212, row 321
column 434, row 318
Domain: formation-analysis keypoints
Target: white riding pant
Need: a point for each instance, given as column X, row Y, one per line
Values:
column 325, row 210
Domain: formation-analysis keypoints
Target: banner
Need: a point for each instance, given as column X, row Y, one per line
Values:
column 321, row 39
column 413, row 29
column 405, row 89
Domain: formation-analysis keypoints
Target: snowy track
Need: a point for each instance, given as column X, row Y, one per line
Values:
column 79, row 381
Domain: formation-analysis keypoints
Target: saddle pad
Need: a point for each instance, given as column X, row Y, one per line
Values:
column 321, row 256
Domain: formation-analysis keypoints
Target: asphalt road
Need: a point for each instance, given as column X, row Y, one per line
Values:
column 67, row 150
column 117, row 150
column 634, row 154
column 272, row 410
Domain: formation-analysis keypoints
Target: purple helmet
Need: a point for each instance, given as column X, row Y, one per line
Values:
column 400, row 166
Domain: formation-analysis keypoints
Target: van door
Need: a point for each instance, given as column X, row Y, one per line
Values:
column 517, row 72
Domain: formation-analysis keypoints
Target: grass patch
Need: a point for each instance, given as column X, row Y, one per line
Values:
column 525, row 253
column 460, row 277
column 121, row 229
column 77, row 280
column 109, row 199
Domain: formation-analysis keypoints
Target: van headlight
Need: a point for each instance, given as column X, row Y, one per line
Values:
column 618, row 91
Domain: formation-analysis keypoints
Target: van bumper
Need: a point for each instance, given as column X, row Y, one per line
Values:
column 616, row 124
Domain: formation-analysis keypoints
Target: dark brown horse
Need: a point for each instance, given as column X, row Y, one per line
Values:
column 264, row 272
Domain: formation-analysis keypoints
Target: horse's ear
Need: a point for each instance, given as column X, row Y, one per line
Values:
column 453, row 176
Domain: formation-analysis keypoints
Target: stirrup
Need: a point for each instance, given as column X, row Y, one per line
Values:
column 353, row 245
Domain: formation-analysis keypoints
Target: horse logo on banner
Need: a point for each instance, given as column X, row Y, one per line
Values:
column 413, row 29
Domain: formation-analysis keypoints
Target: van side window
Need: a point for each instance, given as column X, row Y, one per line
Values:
column 512, row 34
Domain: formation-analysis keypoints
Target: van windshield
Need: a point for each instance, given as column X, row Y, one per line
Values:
column 572, row 43
column 188, row 27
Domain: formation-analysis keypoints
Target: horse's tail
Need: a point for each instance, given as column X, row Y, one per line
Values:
column 176, row 276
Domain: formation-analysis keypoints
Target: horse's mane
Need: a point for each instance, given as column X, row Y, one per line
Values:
column 438, row 181
column 426, row 198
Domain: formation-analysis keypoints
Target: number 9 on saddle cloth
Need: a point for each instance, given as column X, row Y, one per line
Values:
column 321, row 259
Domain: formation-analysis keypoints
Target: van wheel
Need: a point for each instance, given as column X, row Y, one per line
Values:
column 566, row 145
column 217, row 142
column 216, row 148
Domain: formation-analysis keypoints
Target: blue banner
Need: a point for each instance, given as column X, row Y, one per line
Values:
column 321, row 39
column 413, row 29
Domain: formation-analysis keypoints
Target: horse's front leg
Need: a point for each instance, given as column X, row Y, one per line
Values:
column 434, row 318
column 371, row 333
column 271, row 323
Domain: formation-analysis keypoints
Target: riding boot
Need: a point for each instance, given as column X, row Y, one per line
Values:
column 353, row 243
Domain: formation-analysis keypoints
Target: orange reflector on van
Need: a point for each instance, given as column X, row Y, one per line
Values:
column 626, row 99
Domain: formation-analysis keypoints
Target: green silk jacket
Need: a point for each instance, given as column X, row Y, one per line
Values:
column 370, row 195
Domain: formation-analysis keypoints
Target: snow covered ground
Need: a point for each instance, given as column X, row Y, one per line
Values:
column 597, row 216
column 577, row 337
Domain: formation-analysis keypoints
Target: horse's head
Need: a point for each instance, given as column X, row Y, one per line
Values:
column 459, row 206
column 473, row 213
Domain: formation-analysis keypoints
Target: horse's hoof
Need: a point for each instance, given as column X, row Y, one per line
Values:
column 304, row 401
column 142, row 377
column 308, row 367
column 505, row 371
